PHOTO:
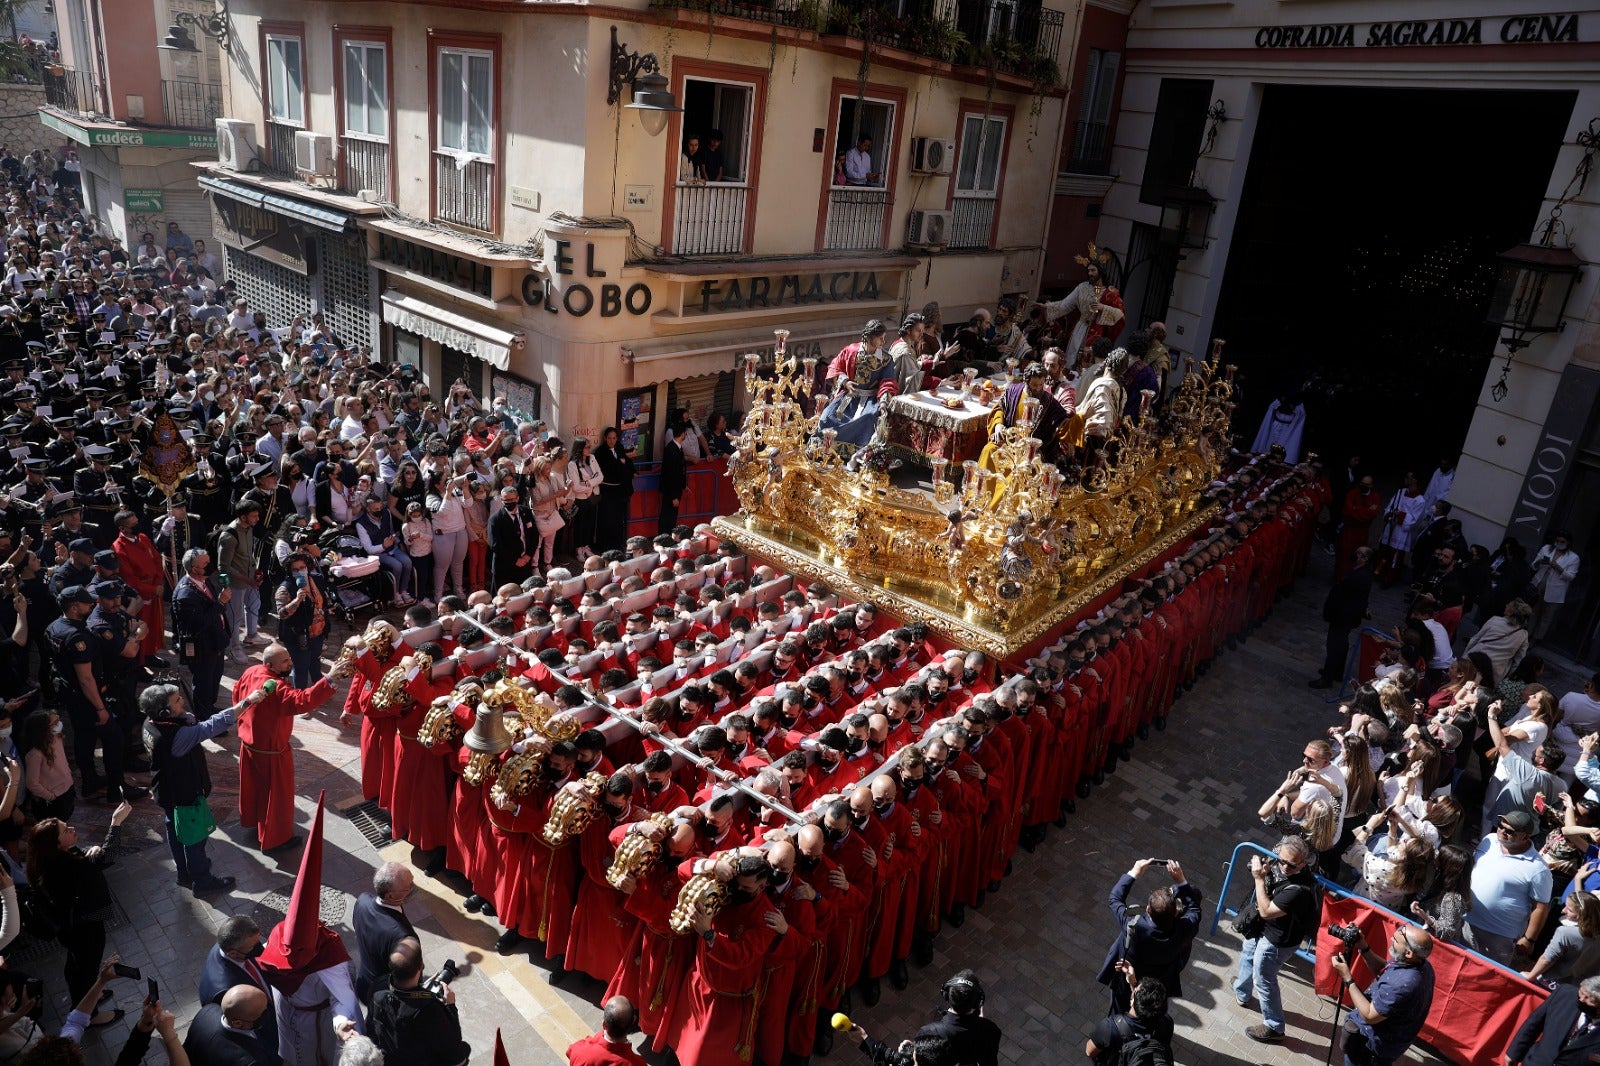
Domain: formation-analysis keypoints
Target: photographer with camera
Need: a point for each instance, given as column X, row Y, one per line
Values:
column 961, row 1036
column 1157, row 942
column 1385, row 1017
column 417, row 1015
column 1280, row 914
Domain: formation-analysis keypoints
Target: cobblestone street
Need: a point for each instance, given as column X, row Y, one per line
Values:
column 1189, row 794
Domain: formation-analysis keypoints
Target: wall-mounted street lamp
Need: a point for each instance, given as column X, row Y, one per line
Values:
column 652, row 96
column 214, row 26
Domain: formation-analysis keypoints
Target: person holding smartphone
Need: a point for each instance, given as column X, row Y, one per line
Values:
column 303, row 608
column 1156, row 942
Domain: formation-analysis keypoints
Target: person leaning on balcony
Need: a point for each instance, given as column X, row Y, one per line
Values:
column 691, row 168
column 858, row 163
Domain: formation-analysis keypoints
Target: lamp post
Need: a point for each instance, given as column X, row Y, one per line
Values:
column 1533, row 282
column 652, row 96
column 1186, row 216
column 214, row 26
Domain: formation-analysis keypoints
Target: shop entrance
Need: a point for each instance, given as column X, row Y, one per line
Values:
column 1362, row 258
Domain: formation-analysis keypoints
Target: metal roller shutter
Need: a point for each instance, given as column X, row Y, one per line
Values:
column 277, row 290
column 346, row 296
column 191, row 211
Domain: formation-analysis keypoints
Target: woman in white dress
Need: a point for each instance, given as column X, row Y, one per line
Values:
column 1403, row 518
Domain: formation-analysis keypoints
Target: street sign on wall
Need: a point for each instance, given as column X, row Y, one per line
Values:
column 144, row 200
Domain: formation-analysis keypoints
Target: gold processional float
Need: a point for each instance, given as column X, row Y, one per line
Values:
column 995, row 561
column 992, row 563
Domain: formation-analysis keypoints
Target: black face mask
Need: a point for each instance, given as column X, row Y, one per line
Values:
column 969, row 676
column 738, row 897
column 257, row 951
column 934, row 770
column 876, row 745
column 778, row 888
column 833, row 836
column 655, row 788
column 806, row 863
column 710, row 832
column 787, row 721
column 829, row 757
column 856, row 745
column 883, row 809
column 937, row 698
column 615, row 812
column 860, row 820
column 911, row 788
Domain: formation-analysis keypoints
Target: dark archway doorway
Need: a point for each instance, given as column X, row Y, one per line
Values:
column 1361, row 260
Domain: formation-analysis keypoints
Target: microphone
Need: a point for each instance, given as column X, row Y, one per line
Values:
column 269, row 686
column 841, row 1022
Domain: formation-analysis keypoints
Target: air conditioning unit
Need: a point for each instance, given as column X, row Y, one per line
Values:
column 932, row 155
column 928, row 229
column 313, row 154
column 236, row 144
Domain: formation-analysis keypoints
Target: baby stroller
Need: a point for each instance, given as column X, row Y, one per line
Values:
column 358, row 582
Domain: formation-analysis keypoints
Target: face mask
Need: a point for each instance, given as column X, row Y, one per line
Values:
column 778, row 888
column 976, row 745
column 58, row 728
column 855, row 745
column 937, row 698
column 300, row 579
column 833, row 836
column 257, row 951
column 860, row 820
column 934, row 770
column 883, row 809
column 806, row 863
column 738, row 897
column 710, row 832
column 655, row 788
column 615, row 812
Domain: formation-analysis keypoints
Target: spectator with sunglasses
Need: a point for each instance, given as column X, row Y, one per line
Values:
column 1387, row 1015
column 1511, row 887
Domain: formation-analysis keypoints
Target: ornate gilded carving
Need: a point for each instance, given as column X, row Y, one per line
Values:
column 992, row 561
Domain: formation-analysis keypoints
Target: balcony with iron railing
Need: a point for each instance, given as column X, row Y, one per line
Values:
column 708, row 218
column 365, row 165
column 279, row 156
column 74, row 91
column 1017, row 37
column 1091, row 149
column 463, row 194
column 855, row 219
column 191, row 105
column 972, row 222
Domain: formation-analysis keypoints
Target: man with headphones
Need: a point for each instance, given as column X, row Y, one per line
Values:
column 976, row 1039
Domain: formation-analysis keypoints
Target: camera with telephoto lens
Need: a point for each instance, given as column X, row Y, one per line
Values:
column 1345, row 934
column 436, row 984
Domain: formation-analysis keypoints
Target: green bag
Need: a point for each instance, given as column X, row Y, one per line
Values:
column 193, row 823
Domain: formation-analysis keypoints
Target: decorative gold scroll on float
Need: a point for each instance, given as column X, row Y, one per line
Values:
column 997, row 560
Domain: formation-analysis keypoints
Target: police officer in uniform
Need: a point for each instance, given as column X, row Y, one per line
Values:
column 65, row 452
column 116, row 633
column 73, row 649
column 77, row 569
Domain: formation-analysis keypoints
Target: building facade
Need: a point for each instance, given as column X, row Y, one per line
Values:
column 138, row 114
column 1406, row 148
column 528, row 237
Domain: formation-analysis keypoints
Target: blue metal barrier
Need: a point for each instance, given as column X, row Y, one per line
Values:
column 1329, row 888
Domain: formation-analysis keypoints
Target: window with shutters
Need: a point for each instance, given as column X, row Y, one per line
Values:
column 465, row 109
column 1091, row 137
column 975, row 193
column 364, row 151
column 283, row 89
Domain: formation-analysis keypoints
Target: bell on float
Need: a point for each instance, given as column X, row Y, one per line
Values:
column 488, row 733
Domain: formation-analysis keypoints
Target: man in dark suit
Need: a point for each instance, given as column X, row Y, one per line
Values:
column 1563, row 1031
column 1344, row 610
column 1156, row 942
column 225, row 1034
column 381, row 923
column 510, row 550
column 674, row 480
column 230, row 965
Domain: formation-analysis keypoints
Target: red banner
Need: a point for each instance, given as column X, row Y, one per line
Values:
column 1477, row 1006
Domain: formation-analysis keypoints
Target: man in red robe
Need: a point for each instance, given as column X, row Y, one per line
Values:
column 651, row 971
column 601, row 924
column 421, row 810
column 378, row 726
column 792, row 954
column 715, row 1022
column 141, row 569
column 266, row 762
column 1361, row 506
column 608, row 1047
